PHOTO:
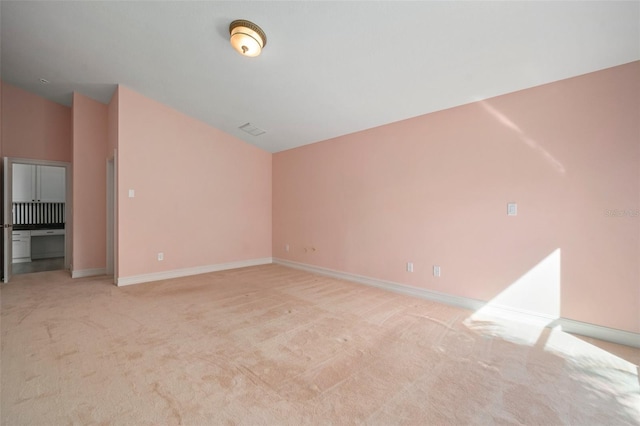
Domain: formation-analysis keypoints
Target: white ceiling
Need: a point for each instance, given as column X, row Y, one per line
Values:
column 329, row 68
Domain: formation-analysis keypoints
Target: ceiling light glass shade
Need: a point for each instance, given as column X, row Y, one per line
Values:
column 247, row 38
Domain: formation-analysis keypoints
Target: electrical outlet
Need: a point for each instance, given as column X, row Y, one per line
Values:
column 512, row 209
column 409, row 266
column 286, row 248
column 160, row 256
column 436, row 271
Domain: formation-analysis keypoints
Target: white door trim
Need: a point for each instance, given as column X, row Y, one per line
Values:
column 8, row 207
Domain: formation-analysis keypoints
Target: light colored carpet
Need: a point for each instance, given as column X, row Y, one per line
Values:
column 269, row 345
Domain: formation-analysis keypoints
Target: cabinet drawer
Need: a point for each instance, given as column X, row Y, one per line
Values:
column 20, row 234
column 21, row 248
column 45, row 232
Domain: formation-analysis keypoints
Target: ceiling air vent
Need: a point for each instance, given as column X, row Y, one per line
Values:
column 251, row 129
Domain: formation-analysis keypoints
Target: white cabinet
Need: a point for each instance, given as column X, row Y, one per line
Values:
column 50, row 186
column 21, row 246
column 24, row 183
column 33, row 184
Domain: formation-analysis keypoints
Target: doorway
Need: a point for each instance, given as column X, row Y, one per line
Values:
column 37, row 216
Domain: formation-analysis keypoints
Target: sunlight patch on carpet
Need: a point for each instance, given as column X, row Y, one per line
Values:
column 609, row 375
column 536, row 294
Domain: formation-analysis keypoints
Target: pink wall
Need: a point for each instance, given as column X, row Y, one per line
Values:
column 112, row 146
column 89, row 183
column 33, row 127
column 434, row 190
column 202, row 197
column 112, row 124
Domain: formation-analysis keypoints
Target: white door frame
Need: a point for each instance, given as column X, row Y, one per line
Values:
column 8, row 209
column 7, row 220
column 112, row 217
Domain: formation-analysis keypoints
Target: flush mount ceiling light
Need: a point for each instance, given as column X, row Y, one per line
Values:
column 247, row 38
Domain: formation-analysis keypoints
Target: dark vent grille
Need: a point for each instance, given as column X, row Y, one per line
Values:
column 38, row 213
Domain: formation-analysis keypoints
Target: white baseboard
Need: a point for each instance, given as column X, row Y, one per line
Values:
column 599, row 332
column 177, row 273
column 571, row 326
column 81, row 273
column 448, row 299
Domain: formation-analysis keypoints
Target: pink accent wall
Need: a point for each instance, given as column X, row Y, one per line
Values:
column 89, row 183
column 34, row 127
column 434, row 190
column 202, row 197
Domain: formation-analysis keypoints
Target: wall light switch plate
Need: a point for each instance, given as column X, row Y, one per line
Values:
column 132, row 193
column 512, row 209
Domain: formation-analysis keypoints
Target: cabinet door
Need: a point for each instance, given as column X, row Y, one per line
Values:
column 23, row 183
column 21, row 245
column 51, row 184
